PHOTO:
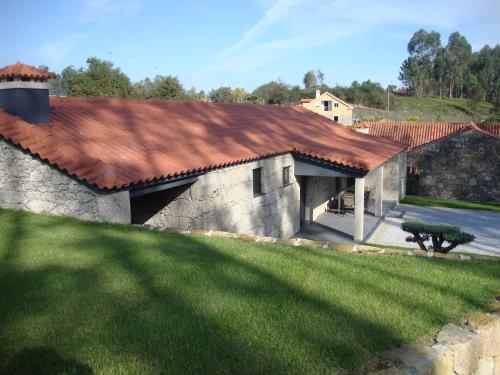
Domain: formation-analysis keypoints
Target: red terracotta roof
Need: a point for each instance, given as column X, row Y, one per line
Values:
column 416, row 134
column 20, row 70
column 492, row 128
column 114, row 143
column 306, row 100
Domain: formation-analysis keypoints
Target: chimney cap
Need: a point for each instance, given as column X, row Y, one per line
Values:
column 24, row 71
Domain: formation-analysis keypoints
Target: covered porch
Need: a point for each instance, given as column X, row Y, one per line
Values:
column 340, row 204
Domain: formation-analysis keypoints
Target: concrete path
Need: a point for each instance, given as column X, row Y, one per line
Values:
column 485, row 225
column 335, row 227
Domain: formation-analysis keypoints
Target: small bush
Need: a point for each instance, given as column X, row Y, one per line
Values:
column 444, row 238
column 412, row 118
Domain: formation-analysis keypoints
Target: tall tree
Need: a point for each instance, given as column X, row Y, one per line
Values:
column 274, row 92
column 439, row 71
column 167, row 87
column 458, row 52
column 310, row 80
column 321, row 77
column 99, row 78
column 409, row 74
column 221, row 95
column 423, row 47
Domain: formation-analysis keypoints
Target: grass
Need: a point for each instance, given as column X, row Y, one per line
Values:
column 83, row 298
column 427, row 109
column 450, row 203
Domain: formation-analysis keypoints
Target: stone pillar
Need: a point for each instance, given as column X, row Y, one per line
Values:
column 359, row 209
column 379, row 191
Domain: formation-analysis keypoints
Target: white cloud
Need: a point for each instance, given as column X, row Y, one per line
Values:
column 56, row 50
column 288, row 27
column 109, row 11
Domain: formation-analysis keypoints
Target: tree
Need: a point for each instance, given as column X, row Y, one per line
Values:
column 221, row 95
column 99, row 78
column 444, row 238
column 458, row 52
column 423, row 47
column 310, row 80
column 274, row 92
column 167, row 87
column 439, row 71
column 409, row 75
column 239, row 95
column 162, row 87
column 321, row 77
column 253, row 99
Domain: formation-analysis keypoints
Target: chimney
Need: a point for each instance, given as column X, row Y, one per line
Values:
column 318, row 94
column 24, row 92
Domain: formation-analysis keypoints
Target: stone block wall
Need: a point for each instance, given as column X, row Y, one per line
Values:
column 394, row 181
column 28, row 184
column 464, row 166
column 319, row 190
column 223, row 200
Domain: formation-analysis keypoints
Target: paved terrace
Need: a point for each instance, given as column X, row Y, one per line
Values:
column 485, row 225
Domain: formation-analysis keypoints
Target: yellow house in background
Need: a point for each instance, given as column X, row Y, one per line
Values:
column 328, row 105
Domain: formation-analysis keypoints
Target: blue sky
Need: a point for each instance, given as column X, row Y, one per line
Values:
column 209, row 43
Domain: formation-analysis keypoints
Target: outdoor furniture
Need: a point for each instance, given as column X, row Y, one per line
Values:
column 345, row 201
column 348, row 198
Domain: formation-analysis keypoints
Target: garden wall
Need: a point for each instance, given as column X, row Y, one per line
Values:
column 28, row 184
column 463, row 166
column 470, row 350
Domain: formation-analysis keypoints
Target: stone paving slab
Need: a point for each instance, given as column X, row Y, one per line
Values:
column 485, row 225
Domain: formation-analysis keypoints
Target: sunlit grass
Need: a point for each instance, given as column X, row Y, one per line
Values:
column 450, row 203
column 111, row 299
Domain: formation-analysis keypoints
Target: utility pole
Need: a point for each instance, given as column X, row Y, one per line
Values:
column 388, row 106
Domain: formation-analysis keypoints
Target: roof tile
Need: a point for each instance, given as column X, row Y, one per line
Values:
column 416, row 134
column 23, row 71
column 115, row 143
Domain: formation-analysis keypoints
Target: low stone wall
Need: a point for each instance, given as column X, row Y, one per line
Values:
column 470, row 350
column 464, row 166
column 223, row 200
column 28, row 184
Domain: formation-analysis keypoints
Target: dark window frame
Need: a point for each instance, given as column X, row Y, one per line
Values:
column 335, row 118
column 286, row 176
column 257, row 182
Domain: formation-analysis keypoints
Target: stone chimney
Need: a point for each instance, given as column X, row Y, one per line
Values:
column 318, row 94
column 24, row 92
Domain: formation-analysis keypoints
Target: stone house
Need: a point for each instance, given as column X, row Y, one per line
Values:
column 242, row 168
column 448, row 160
column 329, row 106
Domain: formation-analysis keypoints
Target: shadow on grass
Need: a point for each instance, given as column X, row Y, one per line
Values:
column 149, row 302
column 44, row 361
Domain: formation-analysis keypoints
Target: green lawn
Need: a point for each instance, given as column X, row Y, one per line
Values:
column 85, row 298
column 427, row 109
column 450, row 203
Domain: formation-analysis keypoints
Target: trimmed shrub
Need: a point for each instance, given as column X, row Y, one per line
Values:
column 444, row 238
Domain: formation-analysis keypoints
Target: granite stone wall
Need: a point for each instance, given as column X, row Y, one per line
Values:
column 223, row 200
column 319, row 191
column 394, row 181
column 464, row 166
column 28, row 184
